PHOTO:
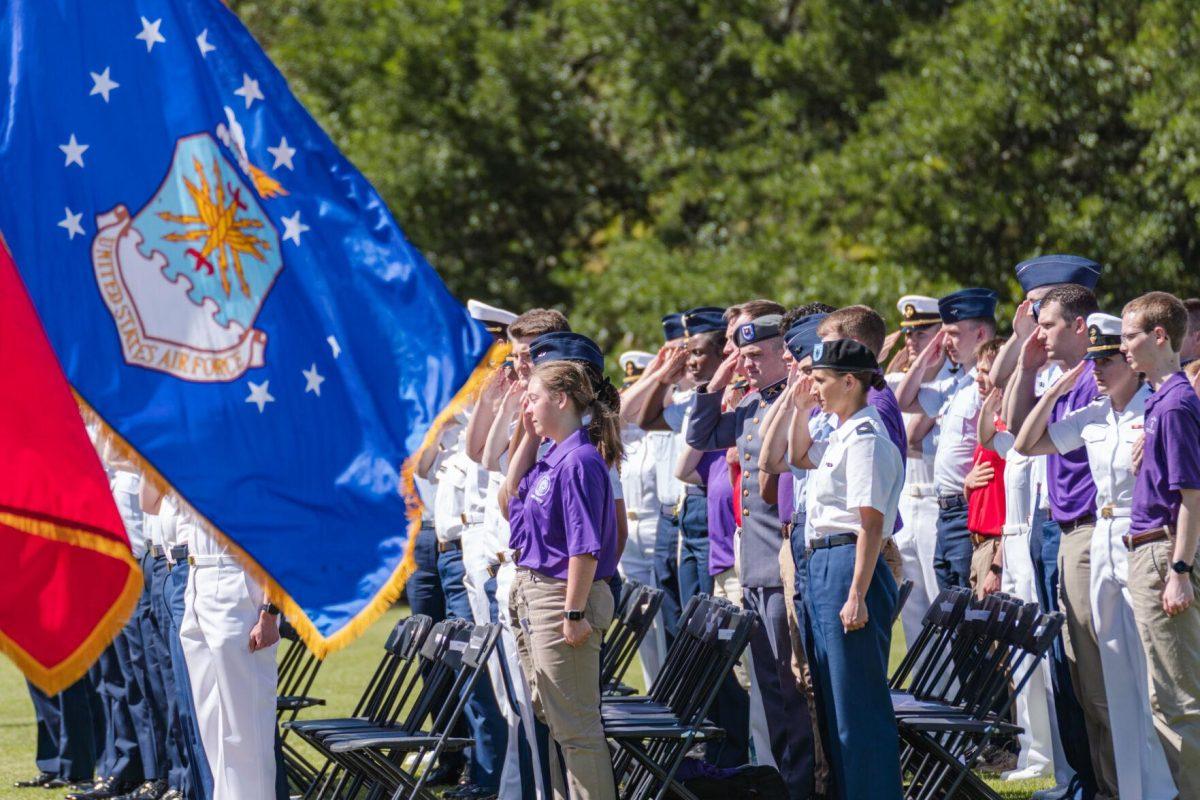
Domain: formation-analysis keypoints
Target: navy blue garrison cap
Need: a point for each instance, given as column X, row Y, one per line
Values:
column 565, row 346
column 673, row 326
column 704, row 319
column 968, row 304
column 803, row 336
column 1049, row 270
column 758, row 329
column 844, row 355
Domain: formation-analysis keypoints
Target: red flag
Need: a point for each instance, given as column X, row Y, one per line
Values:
column 68, row 581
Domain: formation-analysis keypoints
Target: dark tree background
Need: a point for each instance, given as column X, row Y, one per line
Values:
column 621, row 159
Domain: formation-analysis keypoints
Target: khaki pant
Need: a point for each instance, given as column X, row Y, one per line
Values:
column 981, row 562
column 895, row 562
column 1173, row 656
column 1083, row 652
column 564, row 681
column 727, row 586
column 800, row 671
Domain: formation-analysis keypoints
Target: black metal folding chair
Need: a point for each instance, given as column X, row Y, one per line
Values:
column 904, row 590
column 629, row 629
column 385, row 695
column 999, row 642
column 653, row 734
column 389, row 758
column 298, row 667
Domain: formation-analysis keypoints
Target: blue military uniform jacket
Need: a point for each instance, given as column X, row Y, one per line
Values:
column 712, row 429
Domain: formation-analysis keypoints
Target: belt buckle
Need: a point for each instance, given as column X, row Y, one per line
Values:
column 1106, row 512
column 191, row 561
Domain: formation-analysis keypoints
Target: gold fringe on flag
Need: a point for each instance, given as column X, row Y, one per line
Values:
column 389, row 593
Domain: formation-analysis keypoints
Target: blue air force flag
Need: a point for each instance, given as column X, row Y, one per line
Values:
column 225, row 291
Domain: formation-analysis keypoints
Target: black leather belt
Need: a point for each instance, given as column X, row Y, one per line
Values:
column 179, row 553
column 695, row 491
column 947, row 502
column 1069, row 527
column 836, row 540
column 446, row 547
column 157, row 551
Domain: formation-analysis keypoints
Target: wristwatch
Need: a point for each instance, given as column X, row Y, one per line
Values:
column 996, row 569
column 574, row 616
column 269, row 608
column 1182, row 568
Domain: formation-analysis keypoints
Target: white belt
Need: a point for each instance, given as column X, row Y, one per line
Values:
column 213, row 561
column 636, row 515
column 472, row 519
column 921, row 490
column 1114, row 512
column 1015, row 530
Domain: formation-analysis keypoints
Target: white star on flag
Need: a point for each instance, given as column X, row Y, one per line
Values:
column 73, row 151
column 283, row 154
column 202, row 43
column 259, row 394
column 150, row 34
column 293, row 227
column 71, row 223
column 249, row 90
column 312, row 380
column 334, row 346
column 102, row 84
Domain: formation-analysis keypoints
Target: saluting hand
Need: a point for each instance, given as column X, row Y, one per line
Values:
column 725, row 372
column 889, row 343
column 576, row 631
column 1023, row 322
column 803, row 396
column 1068, row 379
column 1033, row 354
column 853, row 613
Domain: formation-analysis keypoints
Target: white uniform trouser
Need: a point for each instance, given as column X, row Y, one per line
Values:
column 514, row 705
column 760, row 735
column 917, row 541
column 1142, row 771
column 233, row 689
column 1041, row 749
column 637, row 563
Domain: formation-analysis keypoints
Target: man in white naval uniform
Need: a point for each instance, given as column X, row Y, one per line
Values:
column 229, row 632
column 917, row 540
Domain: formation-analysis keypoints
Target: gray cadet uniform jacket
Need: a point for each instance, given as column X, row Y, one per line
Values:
column 712, row 429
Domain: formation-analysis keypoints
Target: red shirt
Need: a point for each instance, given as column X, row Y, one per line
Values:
column 985, row 506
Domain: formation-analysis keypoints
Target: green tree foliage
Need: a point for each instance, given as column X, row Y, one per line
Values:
column 625, row 159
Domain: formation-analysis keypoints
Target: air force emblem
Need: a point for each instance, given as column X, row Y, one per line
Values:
column 185, row 277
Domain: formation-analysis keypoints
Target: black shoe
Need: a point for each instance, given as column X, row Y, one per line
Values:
column 42, row 779
column 56, row 783
column 150, row 790
column 442, row 775
column 172, row 794
column 104, row 789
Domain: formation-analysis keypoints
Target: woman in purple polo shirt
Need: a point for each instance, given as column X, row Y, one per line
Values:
column 564, row 529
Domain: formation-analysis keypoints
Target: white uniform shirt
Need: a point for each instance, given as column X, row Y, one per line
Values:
column 449, row 500
column 955, row 404
column 671, row 444
column 125, row 489
column 860, row 467
column 201, row 542
column 639, row 472
column 820, row 427
column 1018, row 482
column 1109, row 437
column 918, row 471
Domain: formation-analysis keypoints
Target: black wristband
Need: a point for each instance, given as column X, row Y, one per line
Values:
column 573, row 615
column 269, row 608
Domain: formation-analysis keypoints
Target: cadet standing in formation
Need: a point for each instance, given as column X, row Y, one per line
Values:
column 765, row 459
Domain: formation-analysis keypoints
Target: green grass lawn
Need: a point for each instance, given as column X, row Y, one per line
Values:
column 340, row 682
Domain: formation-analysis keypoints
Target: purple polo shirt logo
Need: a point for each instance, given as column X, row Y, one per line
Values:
column 542, row 488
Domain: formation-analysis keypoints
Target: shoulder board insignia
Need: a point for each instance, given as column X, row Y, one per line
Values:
column 864, row 428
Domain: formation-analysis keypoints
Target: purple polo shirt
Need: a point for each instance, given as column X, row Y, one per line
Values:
column 721, row 524
column 1170, row 456
column 1069, row 483
column 884, row 401
column 564, row 507
column 785, row 497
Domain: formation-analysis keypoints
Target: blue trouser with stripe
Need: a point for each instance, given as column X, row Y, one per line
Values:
column 850, row 673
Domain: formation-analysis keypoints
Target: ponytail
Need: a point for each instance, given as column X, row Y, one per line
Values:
column 872, row 379
column 594, row 396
